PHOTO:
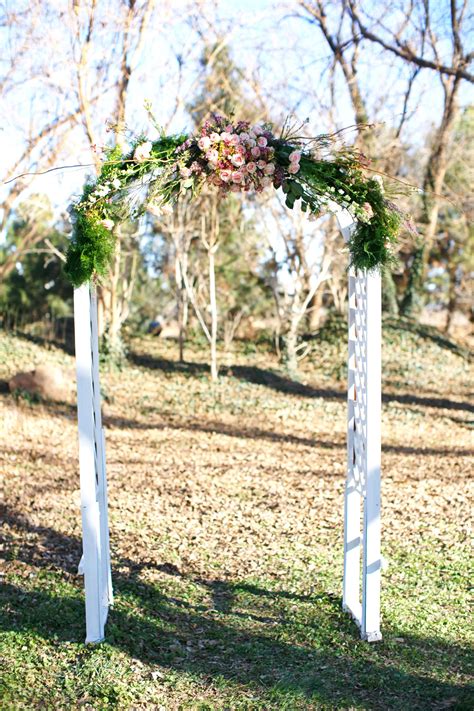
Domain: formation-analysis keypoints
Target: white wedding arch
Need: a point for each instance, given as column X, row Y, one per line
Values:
column 362, row 560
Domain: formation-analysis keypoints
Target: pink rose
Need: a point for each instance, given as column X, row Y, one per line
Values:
column 226, row 137
column 262, row 142
column 244, row 136
column 237, row 159
column 251, row 167
column 215, row 137
column 293, row 168
column 257, row 129
column 261, row 164
column 295, row 156
column 255, row 152
column 237, row 176
column 204, row 143
column 212, row 155
column 269, row 169
column 225, row 175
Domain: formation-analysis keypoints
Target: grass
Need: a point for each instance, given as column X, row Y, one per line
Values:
column 226, row 523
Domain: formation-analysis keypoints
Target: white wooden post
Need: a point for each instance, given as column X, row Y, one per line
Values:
column 363, row 448
column 95, row 562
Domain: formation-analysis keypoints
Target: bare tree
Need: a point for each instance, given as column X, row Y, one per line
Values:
column 295, row 278
column 420, row 39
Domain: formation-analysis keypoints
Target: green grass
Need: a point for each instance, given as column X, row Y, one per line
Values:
column 252, row 644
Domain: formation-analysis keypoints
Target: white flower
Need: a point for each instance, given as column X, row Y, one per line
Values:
column 143, row 151
column 116, row 183
column 108, row 224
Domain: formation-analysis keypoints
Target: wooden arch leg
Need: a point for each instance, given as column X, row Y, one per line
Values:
column 95, row 561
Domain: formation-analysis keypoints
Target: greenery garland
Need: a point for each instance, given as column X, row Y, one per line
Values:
column 233, row 157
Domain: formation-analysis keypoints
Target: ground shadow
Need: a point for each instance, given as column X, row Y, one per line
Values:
column 284, row 384
column 302, row 645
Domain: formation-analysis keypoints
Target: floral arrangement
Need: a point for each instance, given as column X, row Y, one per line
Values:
column 233, row 158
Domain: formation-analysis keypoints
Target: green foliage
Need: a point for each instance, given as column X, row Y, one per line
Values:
column 90, row 250
column 35, row 287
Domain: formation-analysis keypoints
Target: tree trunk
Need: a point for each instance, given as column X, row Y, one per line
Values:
column 435, row 173
column 214, row 314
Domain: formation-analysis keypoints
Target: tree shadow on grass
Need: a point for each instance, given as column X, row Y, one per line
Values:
column 283, row 384
column 274, row 643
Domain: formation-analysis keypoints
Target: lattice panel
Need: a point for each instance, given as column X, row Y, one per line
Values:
column 358, row 380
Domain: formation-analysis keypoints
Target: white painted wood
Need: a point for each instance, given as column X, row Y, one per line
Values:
column 95, row 558
column 101, row 472
column 363, row 448
column 371, row 571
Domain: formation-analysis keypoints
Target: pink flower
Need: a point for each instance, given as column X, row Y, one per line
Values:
column 257, row 129
column 226, row 137
column 261, row 164
column 269, row 169
column 204, row 143
column 237, row 176
column 368, row 209
column 237, row 159
column 185, row 172
column 229, row 128
column 295, row 156
column 251, row 167
column 142, row 151
column 262, row 142
column 225, row 175
column 215, row 137
column 255, row 152
column 244, row 136
column 294, row 168
column 212, row 155
column 108, row 224
column 266, row 182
